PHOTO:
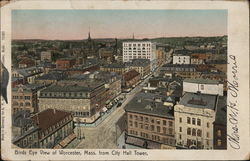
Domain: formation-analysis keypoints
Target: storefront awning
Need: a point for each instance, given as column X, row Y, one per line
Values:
column 135, row 141
column 153, row 145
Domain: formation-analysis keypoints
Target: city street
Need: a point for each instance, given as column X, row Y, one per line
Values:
column 104, row 135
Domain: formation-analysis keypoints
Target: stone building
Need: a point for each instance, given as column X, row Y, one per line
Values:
column 181, row 59
column 150, row 124
column 24, row 98
column 84, row 97
column 65, row 63
column 194, row 118
column 50, row 78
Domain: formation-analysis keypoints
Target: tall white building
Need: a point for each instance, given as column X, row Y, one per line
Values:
column 140, row 50
column 206, row 86
column 181, row 59
column 194, row 117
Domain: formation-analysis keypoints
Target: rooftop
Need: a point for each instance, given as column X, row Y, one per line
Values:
column 130, row 75
column 201, row 81
column 149, row 104
column 49, row 117
column 197, row 100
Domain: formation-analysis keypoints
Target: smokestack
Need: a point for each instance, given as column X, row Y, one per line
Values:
column 54, row 111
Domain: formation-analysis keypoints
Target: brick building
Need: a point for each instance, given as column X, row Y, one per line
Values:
column 150, row 124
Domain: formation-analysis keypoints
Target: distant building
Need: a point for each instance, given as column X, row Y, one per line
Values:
column 206, row 86
column 130, row 79
column 65, row 63
column 46, row 56
column 150, row 124
column 27, row 74
column 180, row 70
column 84, row 97
column 142, row 66
column 194, row 118
column 140, row 50
column 107, row 54
column 50, row 78
column 24, row 98
column 181, row 59
column 54, row 127
column 26, row 62
column 119, row 68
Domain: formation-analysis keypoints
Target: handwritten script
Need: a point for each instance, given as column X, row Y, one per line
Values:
column 233, row 110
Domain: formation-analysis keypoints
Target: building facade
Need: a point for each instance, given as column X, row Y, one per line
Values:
column 85, row 98
column 181, row 59
column 194, row 118
column 140, row 50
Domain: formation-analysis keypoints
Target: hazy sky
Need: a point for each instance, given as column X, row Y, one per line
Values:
column 75, row 24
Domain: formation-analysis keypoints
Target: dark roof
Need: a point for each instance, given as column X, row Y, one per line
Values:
column 49, row 117
column 221, row 113
column 201, row 81
column 130, row 75
column 51, row 76
column 115, row 65
column 198, row 100
column 140, row 62
column 145, row 103
column 21, row 119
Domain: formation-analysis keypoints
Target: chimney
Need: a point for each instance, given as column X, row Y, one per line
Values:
column 54, row 111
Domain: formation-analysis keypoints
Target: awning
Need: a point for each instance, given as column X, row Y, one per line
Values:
column 135, row 141
column 67, row 140
column 58, row 146
column 153, row 145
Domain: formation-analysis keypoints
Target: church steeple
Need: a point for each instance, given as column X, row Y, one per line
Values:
column 89, row 38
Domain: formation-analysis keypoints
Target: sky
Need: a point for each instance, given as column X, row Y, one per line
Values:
column 75, row 24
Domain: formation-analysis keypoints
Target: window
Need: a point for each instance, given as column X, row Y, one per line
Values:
column 164, row 130
column 199, row 122
column 189, row 131
column 141, row 125
column 218, row 142
column 136, row 124
column 193, row 132
column 158, row 121
column 170, row 131
column 199, row 133
column 130, row 116
column 27, row 104
column 146, row 126
column 136, row 117
column 180, row 129
column 218, row 132
column 180, row 120
column 152, row 127
column 193, row 121
column 170, row 123
column 207, row 134
column 207, row 124
column 146, row 119
column 130, row 123
column 152, row 120
column 141, row 118
column 158, row 129
column 164, row 122
column 188, row 120
column 21, row 104
column 202, row 87
column 180, row 136
column 207, row 142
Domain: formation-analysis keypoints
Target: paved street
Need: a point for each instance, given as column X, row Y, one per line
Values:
column 104, row 135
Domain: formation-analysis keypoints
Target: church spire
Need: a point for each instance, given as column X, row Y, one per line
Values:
column 89, row 38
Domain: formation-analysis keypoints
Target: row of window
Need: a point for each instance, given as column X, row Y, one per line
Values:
column 126, row 45
column 21, row 104
column 153, row 137
column 195, row 132
column 21, row 97
column 151, row 120
column 68, row 94
column 158, row 129
column 194, row 121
